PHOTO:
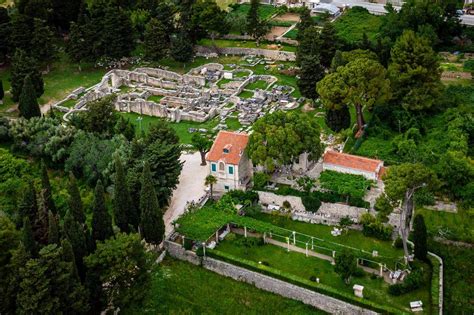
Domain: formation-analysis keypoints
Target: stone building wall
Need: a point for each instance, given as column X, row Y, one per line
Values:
column 267, row 53
column 270, row 198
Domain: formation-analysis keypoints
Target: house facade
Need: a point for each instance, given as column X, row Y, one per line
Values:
column 228, row 161
column 352, row 164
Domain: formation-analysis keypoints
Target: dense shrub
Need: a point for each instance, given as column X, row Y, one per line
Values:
column 188, row 244
column 253, row 210
column 260, row 180
column 413, row 281
column 243, row 197
column 345, row 184
column 374, row 228
column 311, row 202
column 423, row 197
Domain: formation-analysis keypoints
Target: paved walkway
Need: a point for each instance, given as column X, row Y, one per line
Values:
column 190, row 188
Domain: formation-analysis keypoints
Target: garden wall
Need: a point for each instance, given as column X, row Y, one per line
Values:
column 285, row 289
column 269, row 198
column 267, row 53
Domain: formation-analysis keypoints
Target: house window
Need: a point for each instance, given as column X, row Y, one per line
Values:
column 226, row 150
column 231, row 170
column 213, row 167
column 221, row 166
column 226, row 187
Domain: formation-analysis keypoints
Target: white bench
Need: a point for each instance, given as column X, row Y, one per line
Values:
column 416, row 306
column 223, row 235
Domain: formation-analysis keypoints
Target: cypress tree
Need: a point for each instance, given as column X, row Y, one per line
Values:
column 23, row 65
column 28, row 206
column 74, row 233
column 151, row 224
column 328, row 44
column 28, row 104
column 156, row 40
column 2, row 92
column 75, row 202
column 42, row 42
column 306, row 21
column 419, row 237
column 309, row 45
column 124, row 212
column 40, row 226
column 53, row 229
column 311, row 72
column 338, row 119
column 68, row 256
column 182, row 47
column 27, row 238
column 46, row 189
column 101, row 221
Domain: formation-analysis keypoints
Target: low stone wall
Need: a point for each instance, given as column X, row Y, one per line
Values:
column 267, row 283
column 267, row 53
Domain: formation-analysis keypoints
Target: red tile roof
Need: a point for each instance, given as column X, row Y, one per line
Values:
column 234, row 142
column 352, row 161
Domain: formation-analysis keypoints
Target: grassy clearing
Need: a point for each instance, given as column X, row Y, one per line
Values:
column 155, row 98
column 225, row 43
column 457, row 226
column 181, row 288
column 299, row 265
column 264, row 11
column 63, row 78
column 259, row 84
column 246, row 94
column 233, row 124
column 352, row 25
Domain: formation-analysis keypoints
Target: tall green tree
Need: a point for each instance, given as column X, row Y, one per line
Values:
column 101, row 220
column 309, row 44
column 123, row 265
column 329, row 42
column 42, row 42
column 256, row 27
column 210, row 181
column 20, row 28
column 68, row 256
column 47, row 286
column 27, row 238
column 28, row 206
column 156, row 40
column 306, row 21
column 124, row 209
column 22, row 66
column 278, row 139
column 152, row 226
column 311, row 72
column 75, row 201
column 182, row 46
column 401, row 182
column 210, row 18
column 47, row 191
column 101, row 116
column 361, row 83
column 40, row 225
column 28, row 104
column 420, row 238
column 345, row 265
column 414, row 72
column 338, row 119
column 74, row 233
column 202, row 144
column 53, row 229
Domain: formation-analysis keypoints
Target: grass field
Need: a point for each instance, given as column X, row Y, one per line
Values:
column 352, row 25
column 456, row 226
column 298, row 264
column 181, row 288
column 265, row 11
column 259, row 84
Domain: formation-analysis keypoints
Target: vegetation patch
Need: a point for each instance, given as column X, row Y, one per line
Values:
column 345, row 184
column 352, row 25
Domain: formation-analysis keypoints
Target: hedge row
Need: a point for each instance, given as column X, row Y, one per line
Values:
column 301, row 282
column 434, row 284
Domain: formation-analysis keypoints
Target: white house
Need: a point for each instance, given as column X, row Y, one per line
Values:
column 228, row 161
column 353, row 164
column 318, row 7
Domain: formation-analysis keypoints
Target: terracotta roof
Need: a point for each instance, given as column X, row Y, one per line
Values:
column 352, row 161
column 234, row 143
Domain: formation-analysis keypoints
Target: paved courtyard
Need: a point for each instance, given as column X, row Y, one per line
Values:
column 190, row 188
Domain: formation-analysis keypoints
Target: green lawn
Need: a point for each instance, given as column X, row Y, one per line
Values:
column 264, row 11
column 352, row 25
column 246, row 94
column 456, row 226
column 181, row 288
column 298, row 264
column 352, row 238
column 259, row 84
column 63, row 78
column 224, row 43
column 233, row 124
column 155, row 98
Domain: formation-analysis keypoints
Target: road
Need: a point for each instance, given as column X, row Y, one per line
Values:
column 376, row 8
column 190, row 188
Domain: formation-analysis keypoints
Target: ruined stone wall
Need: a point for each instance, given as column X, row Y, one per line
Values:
column 269, row 198
column 267, row 53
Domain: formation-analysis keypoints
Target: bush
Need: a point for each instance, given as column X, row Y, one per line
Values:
column 398, row 243
column 423, row 197
column 243, row 197
column 260, row 180
column 188, row 244
column 359, row 273
column 413, row 281
column 286, row 204
column 311, row 202
column 252, row 211
column 374, row 228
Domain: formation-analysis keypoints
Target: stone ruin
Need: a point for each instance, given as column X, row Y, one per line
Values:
column 199, row 95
